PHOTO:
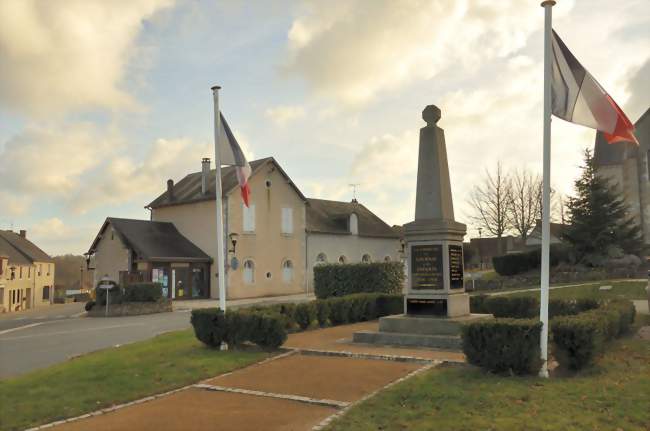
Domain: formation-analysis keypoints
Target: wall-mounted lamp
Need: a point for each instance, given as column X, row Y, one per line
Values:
column 402, row 245
column 233, row 240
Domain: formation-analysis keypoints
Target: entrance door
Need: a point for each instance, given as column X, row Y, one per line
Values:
column 28, row 297
column 182, row 285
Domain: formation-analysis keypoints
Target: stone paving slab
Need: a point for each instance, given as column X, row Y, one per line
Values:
column 202, row 410
column 325, row 377
column 339, row 339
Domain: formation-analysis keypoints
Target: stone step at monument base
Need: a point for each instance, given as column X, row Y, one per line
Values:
column 429, row 325
column 446, row 342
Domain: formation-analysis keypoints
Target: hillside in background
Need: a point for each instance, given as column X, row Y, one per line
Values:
column 68, row 271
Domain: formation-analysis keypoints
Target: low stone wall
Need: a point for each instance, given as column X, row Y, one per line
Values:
column 131, row 308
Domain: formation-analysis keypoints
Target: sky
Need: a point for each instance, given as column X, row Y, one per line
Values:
column 102, row 101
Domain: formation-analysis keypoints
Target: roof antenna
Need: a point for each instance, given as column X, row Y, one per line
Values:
column 354, row 192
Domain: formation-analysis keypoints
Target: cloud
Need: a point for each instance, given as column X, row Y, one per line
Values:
column 638, row 87
column 352, row 50
column 52, row 159
column 281, row 115
column 68, row 55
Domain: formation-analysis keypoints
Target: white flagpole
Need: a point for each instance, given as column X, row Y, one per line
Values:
column 546, row 187
column 221, row 267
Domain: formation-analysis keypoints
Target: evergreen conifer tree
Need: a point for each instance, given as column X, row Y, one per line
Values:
column 599, row 217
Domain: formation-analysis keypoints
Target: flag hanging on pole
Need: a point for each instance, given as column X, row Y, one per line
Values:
column 578, row 98
column 230, row 153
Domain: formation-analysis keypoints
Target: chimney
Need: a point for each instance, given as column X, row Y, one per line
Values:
column 170, row 190
column 23, row 233
column 205, row 174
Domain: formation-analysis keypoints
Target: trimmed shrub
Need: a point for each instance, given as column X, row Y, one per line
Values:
column 304, row 314
column 339, row 310
column 209, row 326
column 388, row 305
column 212, row 327
column 89, row 305
column 518, row 307
column 143, row 292
column 579, row 339
column 503, row 345
column 322, row 311
column 340, row 280
column 477, row 304
column 516, row 263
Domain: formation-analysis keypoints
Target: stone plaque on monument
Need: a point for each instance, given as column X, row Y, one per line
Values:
column 426, row 267
column 456, row 266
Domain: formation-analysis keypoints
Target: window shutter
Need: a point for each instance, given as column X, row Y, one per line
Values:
column 287, row 220
column 249, row 218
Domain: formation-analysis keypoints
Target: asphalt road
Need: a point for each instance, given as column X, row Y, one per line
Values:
column 41, row 314
column 39, row 340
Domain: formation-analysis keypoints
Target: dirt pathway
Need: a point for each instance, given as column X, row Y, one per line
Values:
column 319, row 377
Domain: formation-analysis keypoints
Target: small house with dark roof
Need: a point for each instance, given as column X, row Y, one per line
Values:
column 347, row 232
column 152, row 251
column 26, row 273
column 627, row 166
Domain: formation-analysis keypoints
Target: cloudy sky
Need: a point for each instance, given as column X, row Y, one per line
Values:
column 102, row 101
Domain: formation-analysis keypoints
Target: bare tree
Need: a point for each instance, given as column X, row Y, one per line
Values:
column 524, row 201
column 490, row 202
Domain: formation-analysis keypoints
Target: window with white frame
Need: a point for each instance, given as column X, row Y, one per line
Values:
column 287, row 271
column 366, row 258
column 249, row 272
column 321, row 259
column 249, row 217
column 287, row 220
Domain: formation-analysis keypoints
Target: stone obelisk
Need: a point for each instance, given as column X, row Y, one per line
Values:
column 434, row 239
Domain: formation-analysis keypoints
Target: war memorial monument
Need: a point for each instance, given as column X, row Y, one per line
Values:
column 435, row 304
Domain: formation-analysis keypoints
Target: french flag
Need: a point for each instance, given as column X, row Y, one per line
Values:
column 230, row 153
column 578, row 98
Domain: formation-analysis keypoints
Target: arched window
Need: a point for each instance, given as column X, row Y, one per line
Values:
column 321, row 259
column 249, row 272
column 386, row 258
column 343, row 259
column 287, row 271
column 366, row 258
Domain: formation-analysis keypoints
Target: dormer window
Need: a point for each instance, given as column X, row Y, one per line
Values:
column 354, row 224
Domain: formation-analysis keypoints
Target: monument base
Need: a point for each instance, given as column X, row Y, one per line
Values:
column 418, row 331
column 437, row 305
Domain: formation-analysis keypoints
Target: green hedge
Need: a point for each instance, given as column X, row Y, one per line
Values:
column 212, row 327
column 503, row 345
column 579, row 339
column 342, row 280
column 267, row 326
column 516, row 263
column 143, row 292
column 520, row 307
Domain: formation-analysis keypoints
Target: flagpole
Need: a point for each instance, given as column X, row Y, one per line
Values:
column 546, row 187
column 221, row 267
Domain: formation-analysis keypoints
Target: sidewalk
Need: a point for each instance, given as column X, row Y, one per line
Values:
column 317, row 379
column 190, row 304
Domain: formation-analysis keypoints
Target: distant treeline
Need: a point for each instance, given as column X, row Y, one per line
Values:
column 68, row 271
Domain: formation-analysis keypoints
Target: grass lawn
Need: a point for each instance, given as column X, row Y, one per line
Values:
column 612, row 395
column 113, row 376
column 620, row 289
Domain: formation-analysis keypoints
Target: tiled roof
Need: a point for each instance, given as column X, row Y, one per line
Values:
column 20, row 250
column 153, row 240
column 188, row 190
column 324, row 216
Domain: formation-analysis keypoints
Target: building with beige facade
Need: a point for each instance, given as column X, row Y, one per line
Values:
column 271, row 245
column 26, row 273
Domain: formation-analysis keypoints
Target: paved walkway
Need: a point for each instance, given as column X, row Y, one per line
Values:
column 319, row 377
